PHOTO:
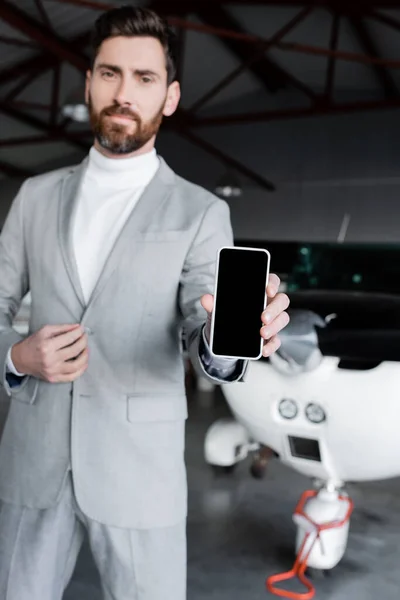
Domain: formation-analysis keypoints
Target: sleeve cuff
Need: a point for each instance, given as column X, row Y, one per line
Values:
column 215, row 365
column 10, row 365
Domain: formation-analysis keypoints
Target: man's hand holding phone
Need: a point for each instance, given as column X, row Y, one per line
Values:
column 275, row 317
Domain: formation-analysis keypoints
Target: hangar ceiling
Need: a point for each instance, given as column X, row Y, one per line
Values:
column 296, row 59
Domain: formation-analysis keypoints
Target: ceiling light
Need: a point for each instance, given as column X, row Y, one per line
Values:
column 228, row 186
column 75, row 107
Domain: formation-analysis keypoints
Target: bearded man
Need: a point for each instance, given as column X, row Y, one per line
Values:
column 119, row 255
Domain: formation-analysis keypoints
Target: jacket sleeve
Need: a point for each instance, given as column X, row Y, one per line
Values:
column 197, row 279
column 14, row 280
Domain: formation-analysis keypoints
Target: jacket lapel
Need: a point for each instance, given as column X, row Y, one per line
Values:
column 69, row 193
column 145, row 212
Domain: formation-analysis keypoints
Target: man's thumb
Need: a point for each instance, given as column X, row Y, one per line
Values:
column 207, row 302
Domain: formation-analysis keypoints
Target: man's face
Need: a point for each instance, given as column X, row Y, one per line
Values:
column 128, row 94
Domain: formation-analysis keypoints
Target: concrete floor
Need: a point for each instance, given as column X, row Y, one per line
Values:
column 240, row 530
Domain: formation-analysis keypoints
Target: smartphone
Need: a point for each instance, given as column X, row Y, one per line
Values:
column 239, row 300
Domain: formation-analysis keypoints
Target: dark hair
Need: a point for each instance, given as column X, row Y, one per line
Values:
column 131, row 21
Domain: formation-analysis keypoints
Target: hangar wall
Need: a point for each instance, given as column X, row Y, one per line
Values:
column 334, row 175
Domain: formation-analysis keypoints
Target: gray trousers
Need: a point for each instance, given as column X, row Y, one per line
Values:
column 39, row 549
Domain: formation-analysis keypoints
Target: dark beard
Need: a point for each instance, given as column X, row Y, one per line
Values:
column 113, row 137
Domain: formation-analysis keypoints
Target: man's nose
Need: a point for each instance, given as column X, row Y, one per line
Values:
column 123, row 94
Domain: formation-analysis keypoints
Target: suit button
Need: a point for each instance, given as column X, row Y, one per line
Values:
column 88, row 331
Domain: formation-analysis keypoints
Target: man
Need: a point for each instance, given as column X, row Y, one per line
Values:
column 118, row 254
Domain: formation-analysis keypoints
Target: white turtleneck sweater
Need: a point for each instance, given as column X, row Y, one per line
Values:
column 109, row 192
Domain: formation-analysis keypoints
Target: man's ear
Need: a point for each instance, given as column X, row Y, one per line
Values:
column 173, row 98
column 87, row 85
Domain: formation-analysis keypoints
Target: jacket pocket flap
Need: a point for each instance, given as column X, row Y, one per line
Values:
column 156, row 408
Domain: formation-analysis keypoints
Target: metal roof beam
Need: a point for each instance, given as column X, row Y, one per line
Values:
column 341, row 5
column 368, row 45
column 42, row 35
column 41, row 62
column 272, row 76
column 262, row 48
column 227, row 160
column 297, row 113
column 263, row 69
column 385, row 19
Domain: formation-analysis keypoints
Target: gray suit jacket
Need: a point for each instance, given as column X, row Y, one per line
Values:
column 120, row 427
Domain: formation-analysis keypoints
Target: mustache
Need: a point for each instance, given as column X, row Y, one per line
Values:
column 120, row 110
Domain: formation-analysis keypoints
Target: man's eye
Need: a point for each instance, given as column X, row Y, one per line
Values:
column 146, row 79
column 107, row 74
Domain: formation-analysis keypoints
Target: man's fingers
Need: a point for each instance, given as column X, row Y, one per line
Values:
column 73, row 350
column 50, row 331
column 271, row 346
column 71, row 377
column 63, row 340
column 77, row 372
column 273, row 285
column 275, row 327
column 67, row 369
column 74, row 366
column 278, row 305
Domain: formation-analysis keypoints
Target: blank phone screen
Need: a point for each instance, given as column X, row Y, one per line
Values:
column 240, row 298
